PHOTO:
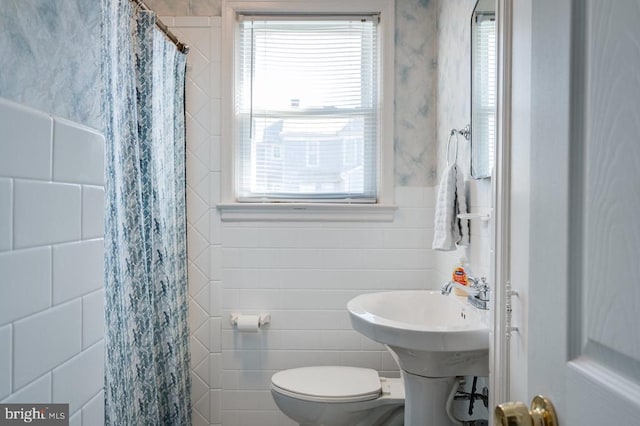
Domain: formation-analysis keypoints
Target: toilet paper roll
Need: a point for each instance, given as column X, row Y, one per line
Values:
column 248, row 323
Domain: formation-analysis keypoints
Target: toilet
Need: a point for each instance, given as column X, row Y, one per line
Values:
column 338, row 396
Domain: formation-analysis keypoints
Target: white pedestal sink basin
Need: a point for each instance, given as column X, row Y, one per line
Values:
column 432, row 335
column 433, row 338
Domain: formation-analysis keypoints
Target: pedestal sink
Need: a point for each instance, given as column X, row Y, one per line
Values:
column 432, row 337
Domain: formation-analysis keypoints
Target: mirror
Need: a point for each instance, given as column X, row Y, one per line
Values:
column 483, row 88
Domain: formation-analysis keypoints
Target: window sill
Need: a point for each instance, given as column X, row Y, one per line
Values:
column 306, row 212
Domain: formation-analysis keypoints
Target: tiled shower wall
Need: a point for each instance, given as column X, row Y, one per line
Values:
column 51, row 262
column 202, row 34
column 302, row 274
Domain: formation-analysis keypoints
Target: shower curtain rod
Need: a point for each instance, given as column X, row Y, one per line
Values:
column 180, row 45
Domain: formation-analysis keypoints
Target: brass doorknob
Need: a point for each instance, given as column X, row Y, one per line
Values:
column 542, row 413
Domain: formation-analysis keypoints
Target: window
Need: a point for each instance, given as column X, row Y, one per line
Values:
column 313, row 156
column 307, row 83
column 276, row 153
column 317, row 84
column 350, row 151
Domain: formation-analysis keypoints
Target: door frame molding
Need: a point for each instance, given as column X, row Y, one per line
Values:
column 499, row 364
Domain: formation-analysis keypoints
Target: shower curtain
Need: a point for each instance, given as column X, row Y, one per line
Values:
column 146, row 332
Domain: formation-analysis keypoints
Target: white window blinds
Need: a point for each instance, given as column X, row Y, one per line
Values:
column 307, row 108
column 484, row 125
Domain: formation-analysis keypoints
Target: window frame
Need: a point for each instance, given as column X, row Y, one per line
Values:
column 233, row 210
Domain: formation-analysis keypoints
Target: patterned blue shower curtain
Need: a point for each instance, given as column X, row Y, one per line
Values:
column 146, row 334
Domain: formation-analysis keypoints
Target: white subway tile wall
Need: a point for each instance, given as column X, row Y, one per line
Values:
column 79, row 369
column 51, row 262
column 26, row 287
column 57, row 329
column 25, row 151
column 78, row 269
column 93, row 411
column 92, row 211
column 303, row 274
column 5, row 361
column 6, row 213
column 77, row 154
column 39, row 390
column 76, row 419
column 92, row 323
column 45, row 213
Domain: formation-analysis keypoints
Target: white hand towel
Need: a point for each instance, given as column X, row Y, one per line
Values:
column 448, row 229
column 461, row 208
column 443, row 232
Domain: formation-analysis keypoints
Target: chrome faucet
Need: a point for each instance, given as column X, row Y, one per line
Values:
column 477, row 291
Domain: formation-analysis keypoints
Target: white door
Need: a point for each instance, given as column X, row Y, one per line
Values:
column 582, row 340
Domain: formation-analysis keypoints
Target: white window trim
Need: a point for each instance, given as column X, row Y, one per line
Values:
column 383, row 210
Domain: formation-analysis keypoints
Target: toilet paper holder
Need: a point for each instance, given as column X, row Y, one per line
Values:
column 263, row 319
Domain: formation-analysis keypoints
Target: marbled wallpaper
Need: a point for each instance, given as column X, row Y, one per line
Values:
column 454, row 78
column 50, row 54
column 416, row 80
column 52, row 51
column 186, row 7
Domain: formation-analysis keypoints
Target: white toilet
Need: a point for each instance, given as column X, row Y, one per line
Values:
column 338, row 396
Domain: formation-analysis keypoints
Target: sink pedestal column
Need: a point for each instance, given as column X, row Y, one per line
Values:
column 426, row 400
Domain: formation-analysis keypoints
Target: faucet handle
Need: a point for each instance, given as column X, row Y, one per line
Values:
column 483, row 289
column 476, row 282
column 479, row 284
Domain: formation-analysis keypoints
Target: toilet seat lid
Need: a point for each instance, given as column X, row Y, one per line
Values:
column 328, row 384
